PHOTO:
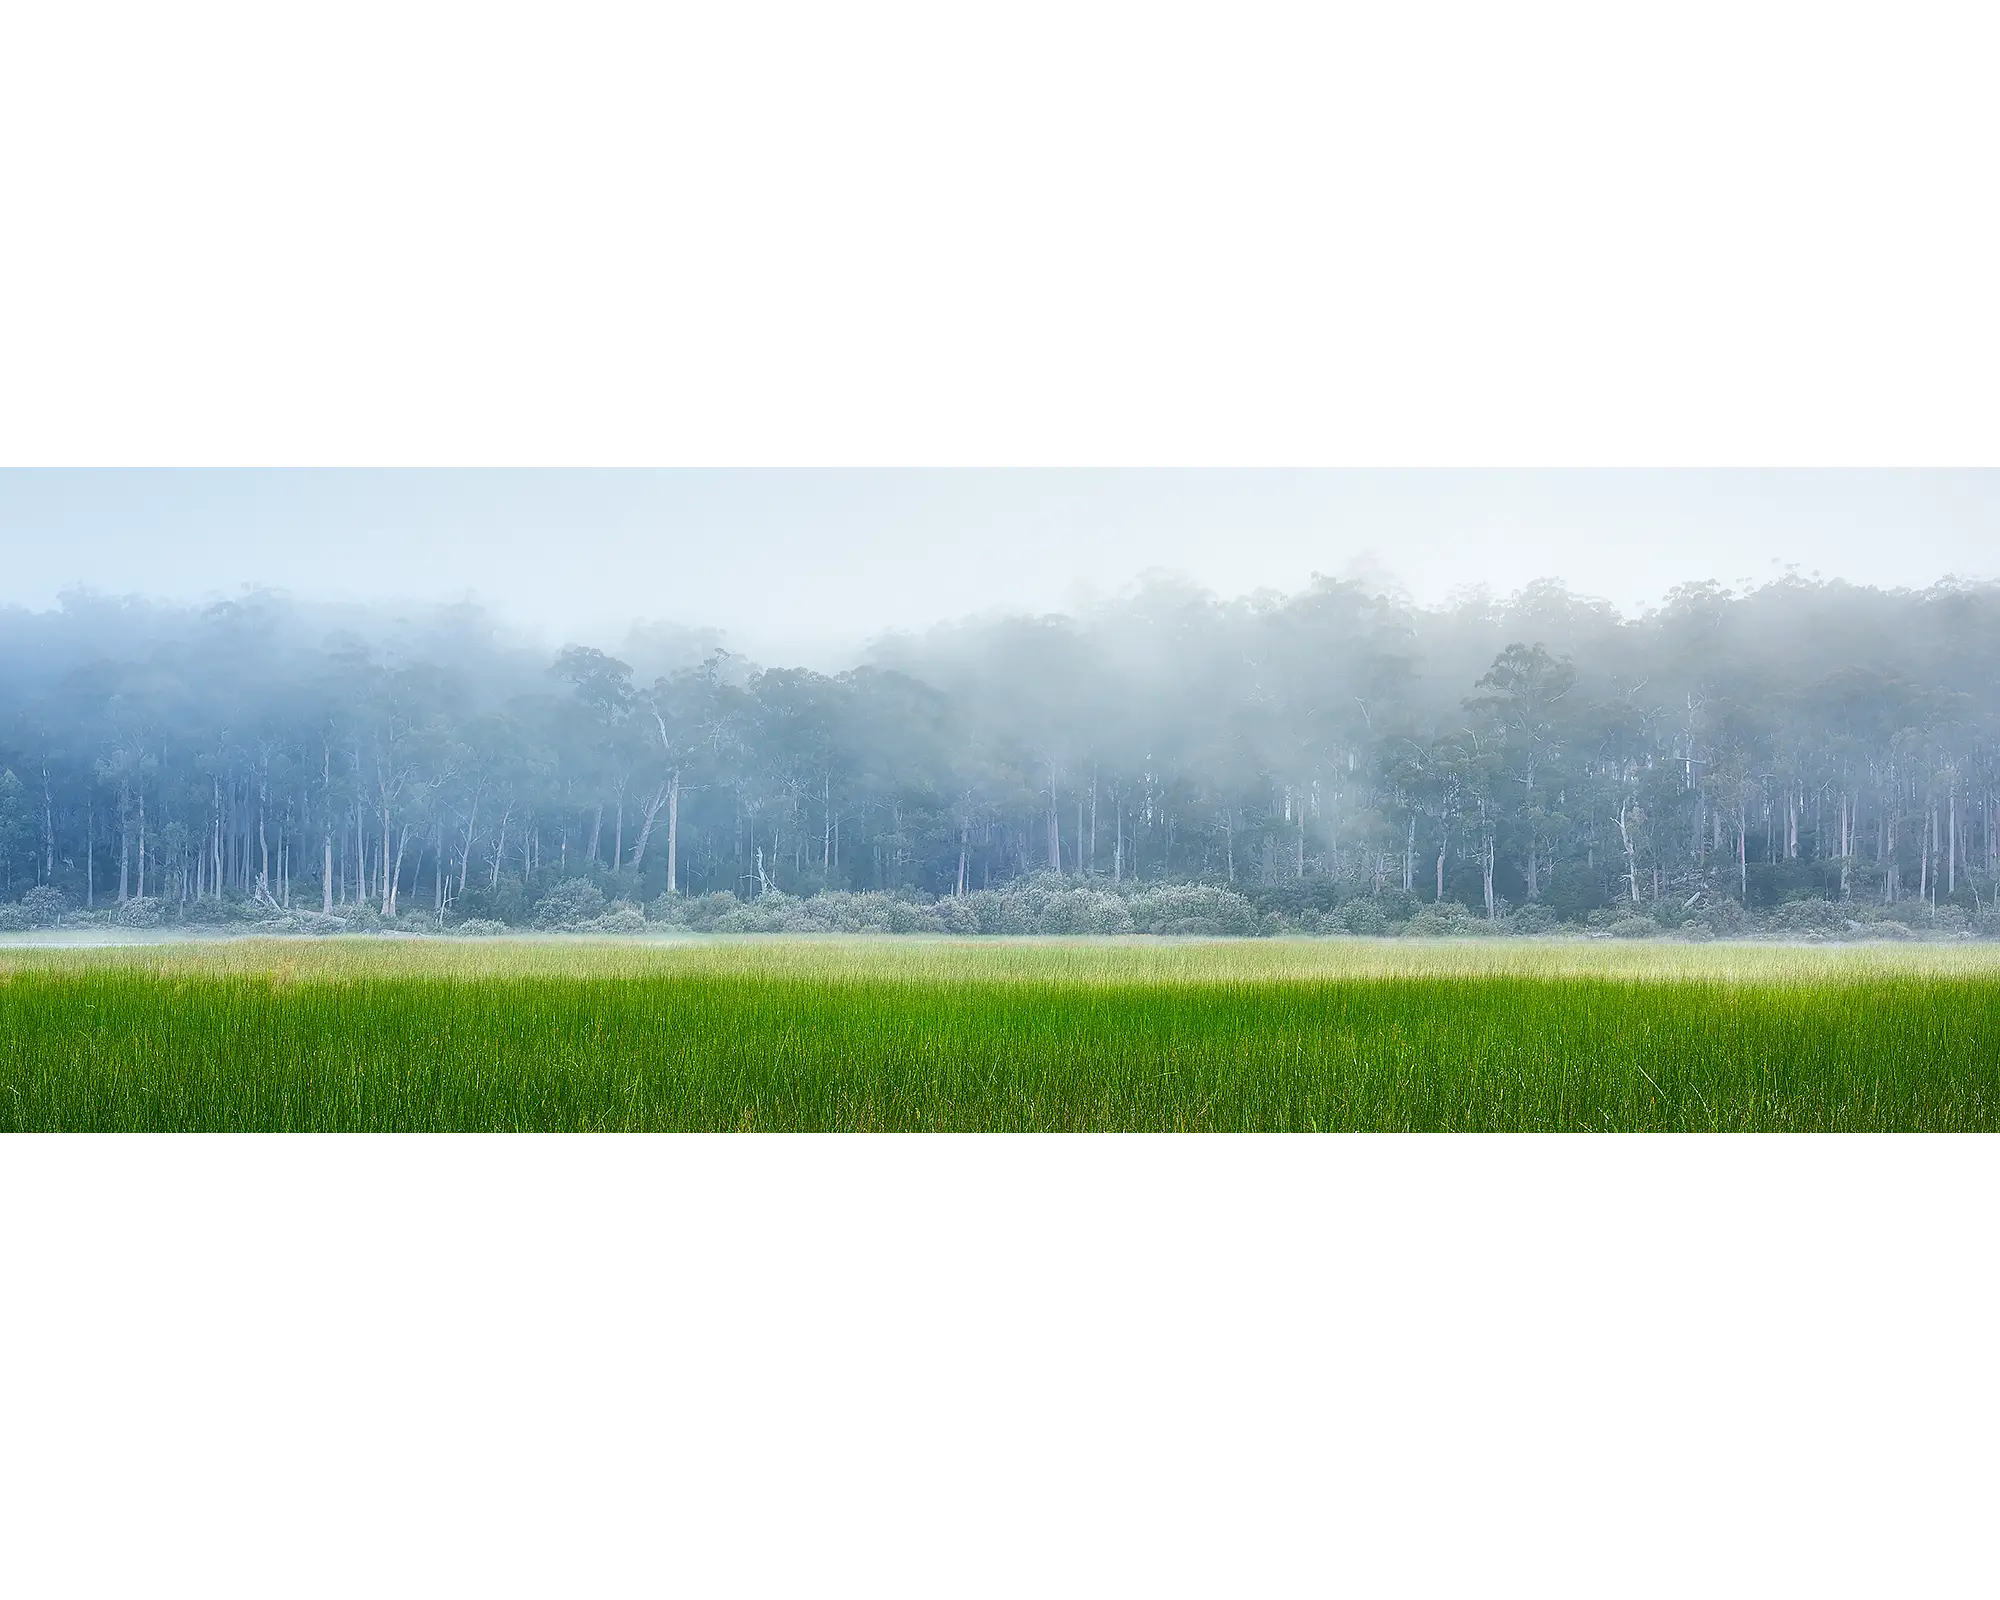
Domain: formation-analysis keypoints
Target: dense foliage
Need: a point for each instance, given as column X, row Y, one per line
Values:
column 1526, row 762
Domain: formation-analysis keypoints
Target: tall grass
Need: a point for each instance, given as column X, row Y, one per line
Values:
column 863, row 1034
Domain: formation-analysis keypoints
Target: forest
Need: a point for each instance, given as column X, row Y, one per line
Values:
column 1333, row 758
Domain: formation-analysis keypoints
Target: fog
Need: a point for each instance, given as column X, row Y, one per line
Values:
column 1183, row 758
column 807, row 567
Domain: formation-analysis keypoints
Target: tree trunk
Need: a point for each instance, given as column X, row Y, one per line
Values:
column 395, row 877
column 1631, row 854
column 673, row 830
column 471, row 832
column 1743, row 850
column 1055, row 828
column 500, row 845
column 647, row 813
column 1846, row 843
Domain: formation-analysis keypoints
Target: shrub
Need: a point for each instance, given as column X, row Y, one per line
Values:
column 623, row 917
column 505, row 901
column 1086, row 911
column 301, row 921
column 1443, row 920
column 958, row 916
column 1193, row 909
column 413, row 919
column 1534, row 918
column 15, row 919
column 702, row 912
column 141, row 913
column 1806, row 916
column 569, row 903
column 478, row 928
column 44, row 905
column 987, row 908
column 1363, row 917
column 1720, row 917
column 1634, row 928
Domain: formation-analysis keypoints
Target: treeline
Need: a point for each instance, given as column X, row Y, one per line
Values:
column 1538, row 759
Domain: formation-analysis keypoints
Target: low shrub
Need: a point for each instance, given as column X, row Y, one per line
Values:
column 569, row 904
column 1807, row 916
column 1721, row 917
column 1193, row 909
column 301, row 921
column 1445, row 919
column 44, row 905
column 141, row 912
column 1365, row 918
column 623, row 917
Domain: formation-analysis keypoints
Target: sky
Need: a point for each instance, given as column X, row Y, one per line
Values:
column 806, row 566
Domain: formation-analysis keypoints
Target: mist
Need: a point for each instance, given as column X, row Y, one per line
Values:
column 1336, row 755
column 810, row 568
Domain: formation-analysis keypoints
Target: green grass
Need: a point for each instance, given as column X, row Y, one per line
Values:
column 891, row 1034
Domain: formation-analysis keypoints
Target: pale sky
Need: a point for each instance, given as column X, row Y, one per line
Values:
column 806, row 566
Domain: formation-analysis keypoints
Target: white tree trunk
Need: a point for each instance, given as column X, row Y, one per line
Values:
column 673, row 831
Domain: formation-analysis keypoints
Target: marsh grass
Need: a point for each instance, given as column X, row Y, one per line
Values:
column 1057, row 1034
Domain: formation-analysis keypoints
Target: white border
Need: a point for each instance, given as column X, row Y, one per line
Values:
column 998, row 1366
column 1082, row 234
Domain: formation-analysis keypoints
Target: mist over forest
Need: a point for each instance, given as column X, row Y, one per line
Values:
column 1338, row 758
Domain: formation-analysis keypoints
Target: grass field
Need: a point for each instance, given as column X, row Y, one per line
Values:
column 836, row 1033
